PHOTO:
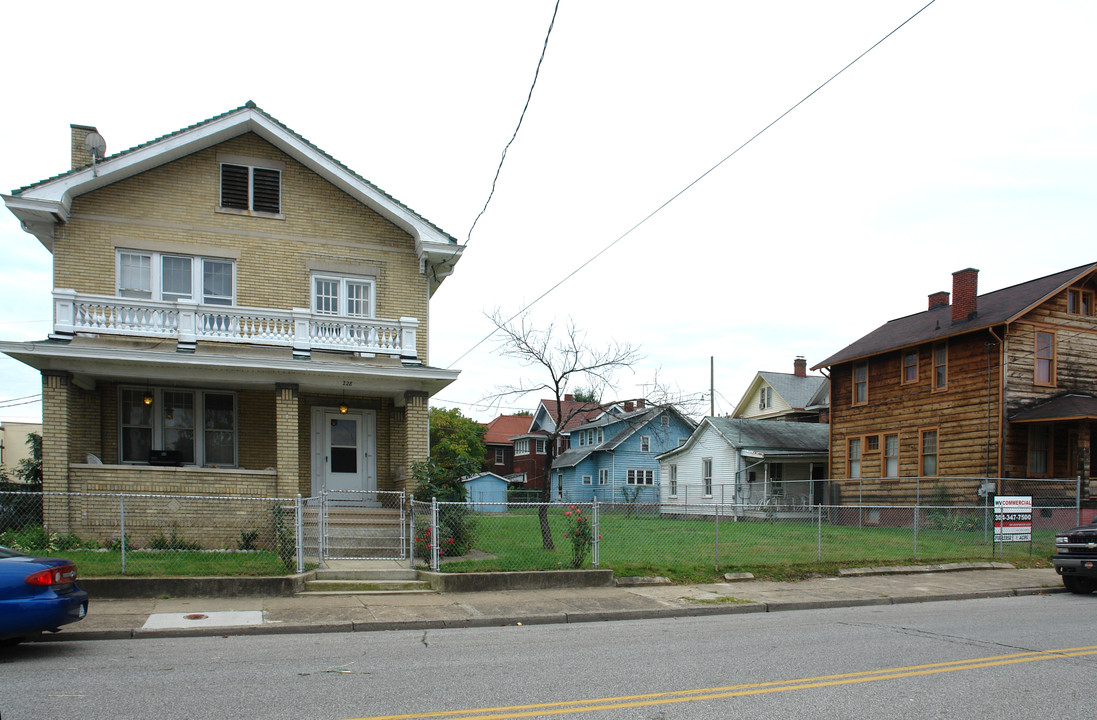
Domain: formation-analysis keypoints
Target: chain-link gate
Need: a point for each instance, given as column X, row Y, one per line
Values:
column 356, row 525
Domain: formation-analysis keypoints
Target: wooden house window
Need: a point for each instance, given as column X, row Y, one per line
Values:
column 640, row 477
column 673, row 470
column 860, row 384
column 891, row 456
column 706, row 476
column 855, row 457
column 500, row 456
column 1039, row 450
column 1045, row 358
column 940, row 366
column 588, row 480
column 603, row 476
column 910, row 366
column 1080, row 302
column 645, row 443
column 540, row 447
column 928, row 460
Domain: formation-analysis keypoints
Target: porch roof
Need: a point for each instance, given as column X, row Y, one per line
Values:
column 142, row 362
column 1065, row 407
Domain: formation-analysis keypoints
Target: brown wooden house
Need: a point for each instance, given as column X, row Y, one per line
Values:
column 1000, row 385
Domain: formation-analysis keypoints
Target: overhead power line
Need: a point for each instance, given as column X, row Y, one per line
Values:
column 521, row 117
column 698, row 179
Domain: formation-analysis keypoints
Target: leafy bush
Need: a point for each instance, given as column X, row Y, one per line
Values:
column 248, row 538
column 284, row 540
column 175, row 542
column 20, row 505
column 580, row 534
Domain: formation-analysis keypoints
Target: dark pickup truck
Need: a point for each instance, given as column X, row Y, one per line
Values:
column 1076, row 558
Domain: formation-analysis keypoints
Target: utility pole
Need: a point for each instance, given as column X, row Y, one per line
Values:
column 711, row 386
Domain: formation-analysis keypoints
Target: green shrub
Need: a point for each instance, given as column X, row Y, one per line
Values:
column 175, row 542
column 579, row 534
column 248, row 538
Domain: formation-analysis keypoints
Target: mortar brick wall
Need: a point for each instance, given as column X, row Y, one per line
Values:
column 179, row 203
column 287, row 439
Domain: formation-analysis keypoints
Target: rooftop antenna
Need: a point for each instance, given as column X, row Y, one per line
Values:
column 97, row 148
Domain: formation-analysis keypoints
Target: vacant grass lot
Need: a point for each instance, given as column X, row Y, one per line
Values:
column 697, row 550
column 683, row 549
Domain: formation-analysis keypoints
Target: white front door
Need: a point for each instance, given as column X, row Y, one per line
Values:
column 344, row 454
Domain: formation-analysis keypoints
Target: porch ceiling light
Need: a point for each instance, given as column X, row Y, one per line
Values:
column 343, row 408
column 147, row 399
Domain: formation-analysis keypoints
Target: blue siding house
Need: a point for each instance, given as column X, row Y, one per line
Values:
column 612, row 458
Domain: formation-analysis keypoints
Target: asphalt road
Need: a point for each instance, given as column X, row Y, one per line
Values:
column 995, row 658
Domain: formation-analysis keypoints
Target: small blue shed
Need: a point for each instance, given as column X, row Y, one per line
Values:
column 486, row 492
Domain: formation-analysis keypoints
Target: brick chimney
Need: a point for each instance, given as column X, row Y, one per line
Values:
column 938, row 299
column 800, row 366
column 641, row 404
column 569, row 398
column 80, row 156
column 629, row 407
column 965, row 285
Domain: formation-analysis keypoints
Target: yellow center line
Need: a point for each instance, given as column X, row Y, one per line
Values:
column 568, row 707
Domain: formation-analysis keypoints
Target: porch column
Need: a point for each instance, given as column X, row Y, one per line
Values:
column 416, row 436
column 287, row 439
column 56, row 418
column 1084, row 460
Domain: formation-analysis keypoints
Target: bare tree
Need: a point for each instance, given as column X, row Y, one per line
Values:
column 563, row 359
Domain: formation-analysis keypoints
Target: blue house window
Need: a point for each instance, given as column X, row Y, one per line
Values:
column 603, row 476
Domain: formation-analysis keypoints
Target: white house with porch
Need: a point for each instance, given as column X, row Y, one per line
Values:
column 746, row 464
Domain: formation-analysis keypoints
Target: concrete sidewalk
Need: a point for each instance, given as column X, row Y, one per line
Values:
column 187, row 617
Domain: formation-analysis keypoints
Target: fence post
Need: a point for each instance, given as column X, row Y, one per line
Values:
column 1078, row 503
column 716, row 543
column 322, row 544
column 819, row 537
column 594, row 531
column 411, row 531
column 434, row 534
column 122, row 524
column 298, row 509
column 917, row 513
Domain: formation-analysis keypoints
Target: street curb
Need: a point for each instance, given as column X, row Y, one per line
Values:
column 561, row 618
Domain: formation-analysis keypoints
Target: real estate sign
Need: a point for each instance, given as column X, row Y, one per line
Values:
column 1013, row 518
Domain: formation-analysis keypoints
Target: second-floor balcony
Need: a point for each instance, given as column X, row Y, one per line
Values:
column 188, row 322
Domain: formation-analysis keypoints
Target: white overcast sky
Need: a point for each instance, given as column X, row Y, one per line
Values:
column 967, row 139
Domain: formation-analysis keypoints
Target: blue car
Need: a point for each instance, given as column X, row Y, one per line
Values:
column 37, row 594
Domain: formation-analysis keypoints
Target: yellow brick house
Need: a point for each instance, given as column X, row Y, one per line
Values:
column 236, row 313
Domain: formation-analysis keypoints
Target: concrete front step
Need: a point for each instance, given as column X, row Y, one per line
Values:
column 366, row 586
column 369, row 575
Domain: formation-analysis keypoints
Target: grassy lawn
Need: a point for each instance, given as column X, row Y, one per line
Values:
column 687, row 550
column 99, row 563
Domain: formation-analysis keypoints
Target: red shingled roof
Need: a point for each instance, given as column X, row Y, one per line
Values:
column 503, row 428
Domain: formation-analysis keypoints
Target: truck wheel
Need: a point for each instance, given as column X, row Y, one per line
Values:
column 1077, row 585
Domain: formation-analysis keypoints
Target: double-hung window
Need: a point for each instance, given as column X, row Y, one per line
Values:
column 640, row 477
column 891, row 456
column 1079, row 302
column 251, row 188
column 860, row 383
column 163, row 276
column 603, row 476
column 645, row 443
column 706, row 476
column 855, row 457
column 341, row 295
column 940, row 366
column 910, row 366
column 1045, row 358
column 928, row 460
column 200, row 427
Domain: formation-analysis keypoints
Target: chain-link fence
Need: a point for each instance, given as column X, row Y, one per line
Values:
column 951, row 522
column 150, row 535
